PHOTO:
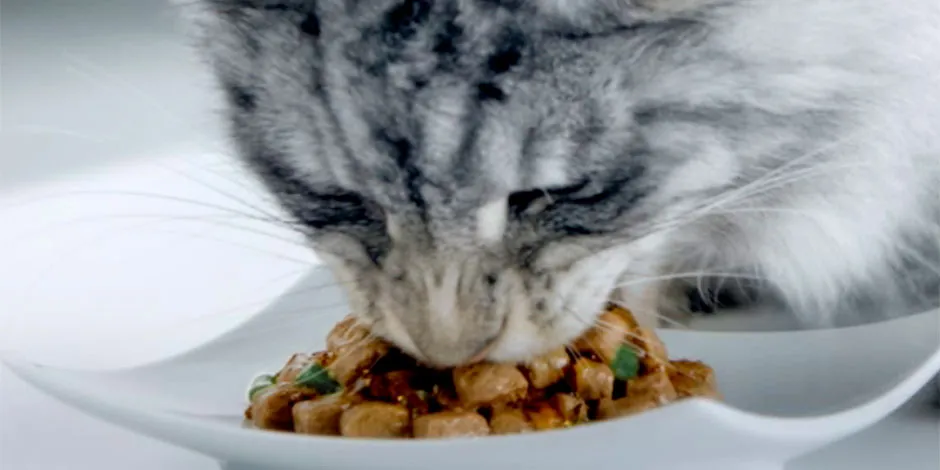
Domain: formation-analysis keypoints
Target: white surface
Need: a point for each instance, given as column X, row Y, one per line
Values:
column 92, row 82
column 104, row 279
column 52, row 321
column 789, row 405
column 139, row 255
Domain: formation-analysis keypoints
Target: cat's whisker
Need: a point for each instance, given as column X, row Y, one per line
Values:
column 686, row 275
column 58, row 132
column 292, row 318
column 783, row 171
column 785, row 174
column 699, row 278
column 769, row 210
column 822, row 170
column 74, row 250
column 306, row 291
column 100, row 77
column 239, row 200
column 598, row 323
column 644, row 353
column 717, row 204
column 289, row 315
column 353, row 346
column 306, row 262
column 918, row 257
column 654, row 314
column 221, row 220
column 720, row 204
column 573, row 352
column 155, row 196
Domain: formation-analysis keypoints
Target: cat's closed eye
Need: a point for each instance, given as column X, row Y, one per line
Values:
column 334, row 210
column 532, row 201
column 355, row 224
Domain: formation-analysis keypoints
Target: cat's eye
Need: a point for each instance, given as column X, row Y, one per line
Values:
column 532, row 201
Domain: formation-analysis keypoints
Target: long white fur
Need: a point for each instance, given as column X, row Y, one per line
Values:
column 829, row 221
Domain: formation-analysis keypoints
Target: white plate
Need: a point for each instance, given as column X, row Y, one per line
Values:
column 787, row 393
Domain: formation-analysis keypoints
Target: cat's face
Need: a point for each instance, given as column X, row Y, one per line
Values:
column 481, row 174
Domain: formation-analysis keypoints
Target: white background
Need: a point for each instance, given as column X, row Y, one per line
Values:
column 111, row 244
column 124, row 223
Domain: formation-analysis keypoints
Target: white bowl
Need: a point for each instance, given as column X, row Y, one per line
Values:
column 787, row 393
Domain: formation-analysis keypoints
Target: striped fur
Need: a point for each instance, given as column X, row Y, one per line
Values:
column 484, row 173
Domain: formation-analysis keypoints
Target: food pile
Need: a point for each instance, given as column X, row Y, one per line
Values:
column 363, row 387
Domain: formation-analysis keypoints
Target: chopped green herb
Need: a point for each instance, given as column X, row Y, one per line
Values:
column 260, row 383
column 317, row 378
column 626, row 363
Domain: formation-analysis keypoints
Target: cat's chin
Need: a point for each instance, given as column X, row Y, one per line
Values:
column 522, row 340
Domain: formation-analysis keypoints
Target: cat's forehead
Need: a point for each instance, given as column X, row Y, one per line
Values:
column 442, row 106
column 457, row 185
column 410, row 43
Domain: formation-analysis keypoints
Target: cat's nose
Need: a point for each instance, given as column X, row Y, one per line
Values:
column 453, row 354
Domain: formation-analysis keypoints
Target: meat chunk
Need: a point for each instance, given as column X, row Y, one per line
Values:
column 354, row 350
column 447, row 398
column 297, row 363
column 646, row 392
column 348, row 332
column 362, row 386
column 605, row 337
column 592, row 380
column 622, row 407
column 509, row 421
column 655, row 354
column 489, row 384
column 693, row 379
column 375, row 420
column 548, row 369
column 397, row 386
column 320, row 416
column 571, row 408
column 391, row 385
column 351, row 361
column 451, row 424
column 544, row 416
column 271, row 407
column 624, row 314
column 654, row 386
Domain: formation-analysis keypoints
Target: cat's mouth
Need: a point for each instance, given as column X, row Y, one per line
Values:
column 490, row 345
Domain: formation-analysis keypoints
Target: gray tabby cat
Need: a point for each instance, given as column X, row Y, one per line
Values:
column 484, row 174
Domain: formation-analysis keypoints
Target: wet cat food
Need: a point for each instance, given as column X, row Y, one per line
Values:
column 363, row 387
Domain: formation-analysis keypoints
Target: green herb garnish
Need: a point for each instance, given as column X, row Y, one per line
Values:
column 317, row 378
column 260, row 383
column 626, row 363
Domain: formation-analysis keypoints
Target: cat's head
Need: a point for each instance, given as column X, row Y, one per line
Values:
column 481, row 174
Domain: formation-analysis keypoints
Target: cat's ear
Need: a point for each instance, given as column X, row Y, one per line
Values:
column 598, row 14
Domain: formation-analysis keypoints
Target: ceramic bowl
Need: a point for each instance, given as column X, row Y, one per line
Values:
column 787, row 393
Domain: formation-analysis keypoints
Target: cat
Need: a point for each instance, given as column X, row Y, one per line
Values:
column 483, row 175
